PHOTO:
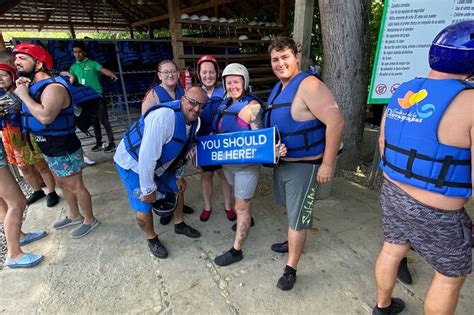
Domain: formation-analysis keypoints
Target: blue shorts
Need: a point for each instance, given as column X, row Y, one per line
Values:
column 131, row 181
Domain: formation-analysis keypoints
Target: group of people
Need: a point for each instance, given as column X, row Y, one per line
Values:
column 427, row 164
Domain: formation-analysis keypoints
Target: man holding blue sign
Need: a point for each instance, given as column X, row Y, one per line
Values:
column 311, row 126
column 239, row 112
column 148, row 159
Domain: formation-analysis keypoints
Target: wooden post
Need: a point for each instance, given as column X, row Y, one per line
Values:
column 2, row 42
column 283, row 12
column 175, row 30
column 150, row 31
column 302, row 28
column 132, row 35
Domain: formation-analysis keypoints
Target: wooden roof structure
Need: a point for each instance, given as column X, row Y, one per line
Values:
column 125, row 15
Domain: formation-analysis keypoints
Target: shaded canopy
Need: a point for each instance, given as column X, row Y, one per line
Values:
column 119, row 15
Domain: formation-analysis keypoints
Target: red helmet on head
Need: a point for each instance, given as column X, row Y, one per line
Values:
column 37, row 52
column 9, row 69
column 205, row 58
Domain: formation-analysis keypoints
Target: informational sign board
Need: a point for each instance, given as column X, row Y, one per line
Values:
column 242, row 147
column 406, row 32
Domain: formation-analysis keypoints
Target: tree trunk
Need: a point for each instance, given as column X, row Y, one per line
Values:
column 345, row 31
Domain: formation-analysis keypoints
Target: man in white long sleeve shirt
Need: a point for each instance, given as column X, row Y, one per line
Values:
column 150, row 156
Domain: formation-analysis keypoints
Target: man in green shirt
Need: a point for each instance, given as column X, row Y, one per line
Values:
column 86, row 72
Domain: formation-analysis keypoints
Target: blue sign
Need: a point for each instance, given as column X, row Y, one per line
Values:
column 241, row 147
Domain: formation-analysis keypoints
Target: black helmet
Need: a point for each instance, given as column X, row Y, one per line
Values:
column 165, row 207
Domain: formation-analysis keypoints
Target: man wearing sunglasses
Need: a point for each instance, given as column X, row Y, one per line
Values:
column 150, row 159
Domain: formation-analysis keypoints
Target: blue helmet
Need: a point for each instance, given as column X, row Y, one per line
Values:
column 452, row 50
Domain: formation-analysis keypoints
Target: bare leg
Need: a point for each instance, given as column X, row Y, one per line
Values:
column 206, row 189
column 443, row 295
column 296, row 241
column 386, row 269
column 145, row 222
column 226, row 190
column 76, row 194
column 12, row 205
column 43, row 169
column 31, row 176
column 243, row 207
column 178, row 213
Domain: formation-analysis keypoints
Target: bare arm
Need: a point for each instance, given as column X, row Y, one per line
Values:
column 108, row 73
column 149, row 100
column 54, row 98
column 252, row 114
column 71, row 77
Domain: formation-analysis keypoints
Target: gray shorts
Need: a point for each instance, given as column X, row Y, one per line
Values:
column 243, row 178
column 294, row 187
column 442, row 238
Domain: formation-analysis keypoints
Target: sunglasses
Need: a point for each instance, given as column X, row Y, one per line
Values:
column 193, row 102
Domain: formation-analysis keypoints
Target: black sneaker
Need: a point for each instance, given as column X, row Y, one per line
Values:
column 185, row 229
column 397, row 306
column 110, row 148
column 228, row 258
column 157, row 248
column 280, row 247
column 96, row 148
column 34, row 197
column 165, row 220
column 234, row 227
column 52, row 199
column 286, row 281
column 188, row 209
column 403, row 272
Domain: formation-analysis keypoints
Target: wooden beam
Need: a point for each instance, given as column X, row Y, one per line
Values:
column 175, row 32
column 62, row 23
column 191, row 9
column 2, row 42
column 302, row 26
column 7, row 5
column 222, row 40
column 283, row 12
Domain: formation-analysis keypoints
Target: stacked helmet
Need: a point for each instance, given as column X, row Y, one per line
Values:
column 36, row 52
column 165, row 207
column 9, row 69
column 236, row 69
column 204, row 18
column 222, row 20
column 184, row 16
column 243, row 37
column 231, row 21
column 452, row 50
column 207, row 58
column 194, row 17
column 214, row 19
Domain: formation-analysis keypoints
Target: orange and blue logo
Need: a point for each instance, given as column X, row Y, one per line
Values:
column 411, row 98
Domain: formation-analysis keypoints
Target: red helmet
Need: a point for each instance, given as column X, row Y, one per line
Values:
column 9, row 69
column 205, row 58
column 37, row 52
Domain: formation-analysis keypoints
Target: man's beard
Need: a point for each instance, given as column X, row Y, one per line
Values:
column 27, row 74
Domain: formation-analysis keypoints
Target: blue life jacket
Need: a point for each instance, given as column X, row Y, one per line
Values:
column 179, row 144
column 63, row 124
column 150, row 52
column 12, row 116
column 81, row 93
column 209, row 110
column 226, row 118
column 165, row 97
column 127, row 53
column 413, row 154
column 301, row 138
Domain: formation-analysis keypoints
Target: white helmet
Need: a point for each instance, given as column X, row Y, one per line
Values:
column 236, row 69
column 214, row 19
column 243, row 37
column 204, row 18
column 264, row 38
column 253, row 22
column 194, row 17
column 231, row 21
column 222, row 20
column 273, row 24
column 184, row 16
column 268, row 24
column 260, row 23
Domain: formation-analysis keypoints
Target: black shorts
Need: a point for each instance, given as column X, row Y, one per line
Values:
column 211, row 168
column 442, row 238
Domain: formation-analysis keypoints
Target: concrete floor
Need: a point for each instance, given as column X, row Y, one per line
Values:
column 112, row 271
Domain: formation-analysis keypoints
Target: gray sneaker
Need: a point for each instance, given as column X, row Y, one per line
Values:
column 84, row 229
column 65, row 222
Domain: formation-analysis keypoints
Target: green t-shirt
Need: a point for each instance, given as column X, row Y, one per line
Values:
column 87, row 72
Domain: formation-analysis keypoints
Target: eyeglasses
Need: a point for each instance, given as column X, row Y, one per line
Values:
column 167, row 73
column 193, row 102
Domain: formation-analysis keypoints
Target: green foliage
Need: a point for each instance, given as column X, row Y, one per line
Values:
column 374, row 28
